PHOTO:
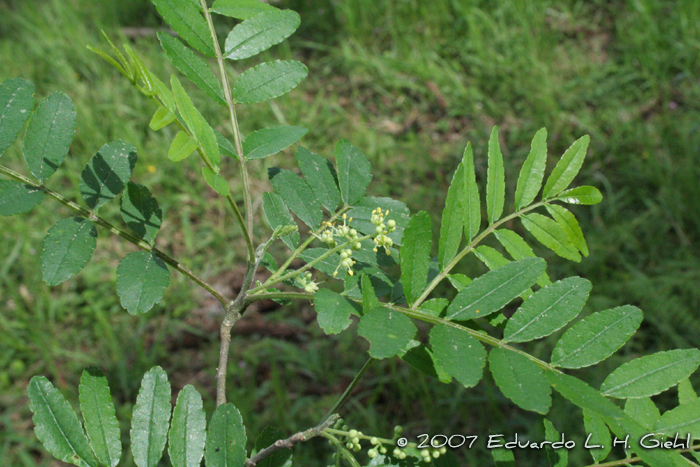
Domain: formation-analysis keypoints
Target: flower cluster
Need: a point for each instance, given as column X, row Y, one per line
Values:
column 382, row 229
column 345, row 231
column 306, row 282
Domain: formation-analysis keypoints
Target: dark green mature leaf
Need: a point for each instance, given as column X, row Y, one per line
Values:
column 569, row 224
column 328, row 265
column 491, row 258
column 643, row 411
column 277, row 214
column 182, row 146
column 459, row 281
column 415, row 255
column 141, row 212
column 567, row 168
column 268, row 80
column 532, row 172
column 550, row 234
column 519, row 249
column 369, row 296
column 548, row 310
column 241, row 9
column 680, row 421
column 651, row 374
column 260, row 33
column 67, row 248
column 184, row 17
column 269, row 141
column 596, row 337
column 421, row 358
column 107, row 173
column 16, row 197
column 56, row 424
column 225, row 146
column 201, row 131
column 556, row 457
column 333, row 311
column 142, row 278
column 452, row 221
column 354, row 172
column 471, row 203
column 387, row 331
column 16, row 102
column 100, row 417
column 581, row 195
column 495, row 179
column 267, row 438
column 321, row 177
column 298, row 196
column 49, row 135
column 162, row 118
column 492, row 291
column 520, row 380
column 216, row 182
column 151, row 418
column 192, row 66
column 188, row 429
column 597, row 435
column 361, row 215
column 226, row 438
column 503, row 457
column 458, row 354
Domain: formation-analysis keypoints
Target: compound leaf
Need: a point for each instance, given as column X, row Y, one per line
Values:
column 151, row 418
column 333, row 311
column 216, row 182
column 184, row 17
column 354, row 172
column 495, row 179
column 452, row 221
column 269, row 141
column 17, row 198
column 182, row 146
column 107, row 173
column 471, row 204
column 141, row 212
column 277, row 214
column 100, row 417
column 550, row 234
column 142, row 278
column 415, row 255
column 16, row 103
column 268, row 80
column 321, row 177
column 569, row 224
column 597, row 435
column 567, row 168
column 520, row 380
column 241, row 9
column 387, row 331
column 532, row 171
column 67, row 248
column 260, row 32
column 298, row 196
column 581, row 195
column 458, row 354
column 226, row 440
column 188, row 429
column 680, row 421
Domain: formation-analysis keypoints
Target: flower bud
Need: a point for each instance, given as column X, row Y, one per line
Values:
column 391, row 223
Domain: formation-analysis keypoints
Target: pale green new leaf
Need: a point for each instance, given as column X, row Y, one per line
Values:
column 519, row 249
column 216, row 182
column 188, row 429
column 458, row 354
column 298, row 196
column 182, row 146
column 471, row 204
column 532, row 172
column 566, row 169
column 321, row 177
column 354, row 172
column 184, row 17
column 277, row 214
column 550, row 234
column 141, row 212
column 226, row 439
column 192, row 66
column 492, row 291
column 459, row 281
column 651, row 374
column 269, row 141
column 56, row 425
column 556, row 457
column 452, row 221
column 151, row 418
column 520, row 380
column 581, row 195
column 596, row 337
column 643, row 411
column 361, row 215
column 142, row 278
column 686, row 392
column 333, row 311
column 387, row 331
column 490, row 257
column 680, row 421
column 260, row 33
column 268, row 80
column 17, row 198
column 495, row 180
column 241, row 9
column 49, row 135
column 415, row 256
column 597, row 435
column 107, row 173
column 16, row 103
column 100, row 417
column 548, row 310
column 67, row 248
column 202, row 132
column 162, row 118
column 569, row 224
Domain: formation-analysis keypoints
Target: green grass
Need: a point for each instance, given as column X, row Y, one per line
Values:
column 409, row 83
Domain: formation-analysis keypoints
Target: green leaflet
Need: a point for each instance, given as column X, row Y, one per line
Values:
column 225, row 146
column 328, row 265
column 686, row 393
column 162, row 118
column 361, row 213
column 490, row 257
column 192, row 66
column 188, row 429
column 49, row 135
column 321, row 177
column 651, row 374
column 354, row 172
column 182, row 146
column 16, row 103
column 151, row 418
column 226, row 438
column 532, row 172
column 569, row 224
column 369, row 296
column 277, row 214
column 643, row 411
column 597, row 435
column 458, row 354
column 596, row 337
column 567, row 168
column 142, row 278
column 548, row 310
column 268, row 80
column 67, row 248
column 519, row 249
column 107, row 173
column 141, row 212
column 550, row 234
column 241, row 9
column 216, row 182
column 333, row 311
column 201, row 131
column 556, row 457
column 415, row 256
column 492, row 291
column 260, row 32
column 459, row 281
column 387, row 331
column 100, row 417
column 267, row 438
column 434, row 306
column 471, row 206
column 495, row 180
column 17, row 198
column 680, row 421
column 298, row 196
column 503, row 457
column 421, row 358
column 381, row 282
column 269, row 141
column 580, row 195
column 452, row 221
column 520, row 380
column 184, row 17
column 56, row 425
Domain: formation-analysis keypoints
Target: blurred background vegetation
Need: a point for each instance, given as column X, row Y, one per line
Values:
column 409, row 82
